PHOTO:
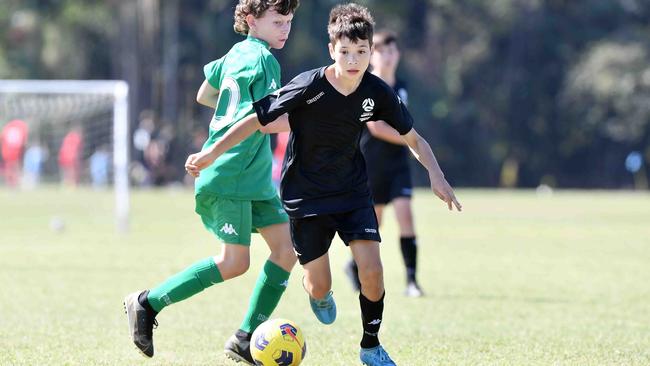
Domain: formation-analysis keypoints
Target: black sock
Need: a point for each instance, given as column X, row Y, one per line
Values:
column 409, row 253
column 142, row 299
column 371, row 316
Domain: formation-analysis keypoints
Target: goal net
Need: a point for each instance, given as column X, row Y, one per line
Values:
column 70, row 132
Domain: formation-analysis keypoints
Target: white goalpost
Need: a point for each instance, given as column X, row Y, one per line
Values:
column 71, row 102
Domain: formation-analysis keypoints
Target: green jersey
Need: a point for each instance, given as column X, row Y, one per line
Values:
column 245, row 74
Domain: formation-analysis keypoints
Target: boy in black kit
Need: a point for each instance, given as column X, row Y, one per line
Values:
column 324, row 182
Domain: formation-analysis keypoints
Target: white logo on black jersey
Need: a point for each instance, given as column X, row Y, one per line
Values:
column 368, row 105
column 317, row 97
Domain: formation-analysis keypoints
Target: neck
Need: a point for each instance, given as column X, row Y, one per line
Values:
column 252, row 33
column 386, row 75
column 342, row 83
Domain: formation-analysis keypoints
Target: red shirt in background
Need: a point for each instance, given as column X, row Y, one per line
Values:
column 70, row 149
column 13, row 139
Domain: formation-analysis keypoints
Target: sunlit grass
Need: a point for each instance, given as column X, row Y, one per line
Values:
column 516, row 279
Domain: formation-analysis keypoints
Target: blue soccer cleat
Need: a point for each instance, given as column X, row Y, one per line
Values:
column 324, row 309
column 375, row 356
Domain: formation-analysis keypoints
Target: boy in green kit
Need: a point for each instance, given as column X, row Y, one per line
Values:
column 235, row 195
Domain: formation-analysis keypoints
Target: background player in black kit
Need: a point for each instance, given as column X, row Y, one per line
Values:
column 388, row 164
column 324, row 182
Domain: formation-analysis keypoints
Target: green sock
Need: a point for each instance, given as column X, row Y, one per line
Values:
column 182, row 285
column 270, row 286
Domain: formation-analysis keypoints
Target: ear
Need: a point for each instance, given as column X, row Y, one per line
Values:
column 250, row 20
column 330, row 47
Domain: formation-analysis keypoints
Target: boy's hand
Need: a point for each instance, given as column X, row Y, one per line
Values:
column 443, row 190
column 196, row 162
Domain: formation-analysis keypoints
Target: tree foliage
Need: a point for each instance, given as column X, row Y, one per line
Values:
column 509, row 92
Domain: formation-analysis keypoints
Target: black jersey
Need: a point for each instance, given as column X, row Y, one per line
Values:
column 383, row 157
column 324, row 170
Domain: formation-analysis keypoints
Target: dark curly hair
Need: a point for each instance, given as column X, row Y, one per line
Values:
column 257, row 9
column 352, row 21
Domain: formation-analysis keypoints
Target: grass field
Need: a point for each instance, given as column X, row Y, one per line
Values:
column 515, row 279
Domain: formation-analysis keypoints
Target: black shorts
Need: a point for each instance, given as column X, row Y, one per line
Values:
column 312, row 235
column 386, row 187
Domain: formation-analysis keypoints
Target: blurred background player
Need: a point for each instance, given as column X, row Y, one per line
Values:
column 99, row 166
column 35, row 156
column 234, row 196
column 70, row 157
column 13, row 139
column 387, row 161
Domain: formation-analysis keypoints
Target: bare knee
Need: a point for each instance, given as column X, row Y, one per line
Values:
column 372, row 281
column 232, row 267
column 404, row 216
column 284, row 256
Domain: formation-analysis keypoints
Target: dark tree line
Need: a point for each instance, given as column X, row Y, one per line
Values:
column 509, row 93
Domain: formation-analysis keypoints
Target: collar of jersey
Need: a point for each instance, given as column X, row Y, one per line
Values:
column 260, row 41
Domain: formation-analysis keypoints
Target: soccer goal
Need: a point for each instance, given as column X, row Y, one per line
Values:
column 71, row 132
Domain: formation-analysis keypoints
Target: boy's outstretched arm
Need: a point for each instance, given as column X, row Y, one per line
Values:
column 281, row 124
column 422, row 151
column 236, row 134
column 383, row 131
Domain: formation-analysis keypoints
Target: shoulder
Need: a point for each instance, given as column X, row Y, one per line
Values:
column 252, row 54
column 307, row 78
column 379, row 86
column 267, row 58
column 313, row 74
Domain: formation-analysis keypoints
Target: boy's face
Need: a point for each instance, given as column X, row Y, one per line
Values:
column 271, row 27
column 385, row 56
column 351, row 59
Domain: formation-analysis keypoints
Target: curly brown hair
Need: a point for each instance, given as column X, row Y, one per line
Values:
column 352, row 21
column 257, row 9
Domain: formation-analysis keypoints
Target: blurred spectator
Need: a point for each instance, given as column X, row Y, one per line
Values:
column 70, row 157
column 142, row 134
column 35, row 156
column 100, row 162
column 165, row 146
column 13, row 139
column 139, row 171
column 154, row 158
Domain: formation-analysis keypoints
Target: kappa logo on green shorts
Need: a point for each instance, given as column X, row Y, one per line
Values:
column 228, row 229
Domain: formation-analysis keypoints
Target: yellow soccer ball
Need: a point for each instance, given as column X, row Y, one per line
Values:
column 278, row 342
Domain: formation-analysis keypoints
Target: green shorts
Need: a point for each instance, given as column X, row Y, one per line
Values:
column 232, row 221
